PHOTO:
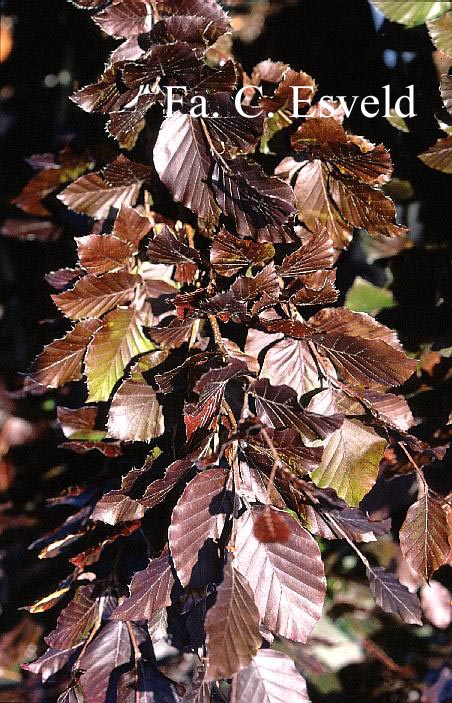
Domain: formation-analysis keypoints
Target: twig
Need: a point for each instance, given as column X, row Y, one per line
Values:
column 133, row 639
column 277, row 464
column 217, row 336
column 419, row 472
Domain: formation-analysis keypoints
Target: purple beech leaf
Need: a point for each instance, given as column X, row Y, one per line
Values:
column 229, row 254
column 173, row 335
column 314, row 254
column 183, row 162
column 271, row 678
column 116, row 507
column 148, row 685
column 196, row 518
column 446, row 86
column 79, row 423
column 292, row 453
column 439, row 156
column 278, row 407
column 150, row 591
column 74, row 694
column 135, row 414
column 174, row 61
column 125, row 19
column 130, row 227
column 286, row 578
column 393, row 597
column 100, row 254
column 52, row 661
column 92, row 296
column 259, row 205
column 76, row 621
column 424, row 535
column 118, row 184
column 63, row 277
column 232, row 627
column 106, row 653
column 157, row 491
column 290, row 362
column 61, row 360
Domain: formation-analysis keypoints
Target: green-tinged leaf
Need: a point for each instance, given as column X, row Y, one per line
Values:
column 76, row 621
column 350, row 461
column 397, row 121
column 424, row 535
column 363, row 296
column 412, row 12
column 272, row 126
column 115, row 343
column 441, row 33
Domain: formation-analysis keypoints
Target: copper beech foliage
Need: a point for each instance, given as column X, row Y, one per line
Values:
column 205, row 332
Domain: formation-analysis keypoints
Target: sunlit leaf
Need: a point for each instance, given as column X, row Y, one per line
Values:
column 125, row 19
column 350, row 461
column 61, row 360
column 271, row 678
column 424, row 535
column 439, row 156
column 363, row 296
column 135, row 414
column 76, row 620
column 92, row 296
column 286, row 578
column 118, row 184
column 412, row 12
column 116, row 342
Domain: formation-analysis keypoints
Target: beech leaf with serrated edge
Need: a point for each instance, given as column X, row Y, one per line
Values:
column 150, row 591
column 61, row 360
column 115, row 343
column 392, row 596
column 412, row 12
column 271, row 678
column 76, row 621
column 424, row 535
column 100, row 254
column 135, row 414
column 106, row 653
column 196, row 518
column 92, row 296
column 286, row 578
column 350, row 461
column 118, row 184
